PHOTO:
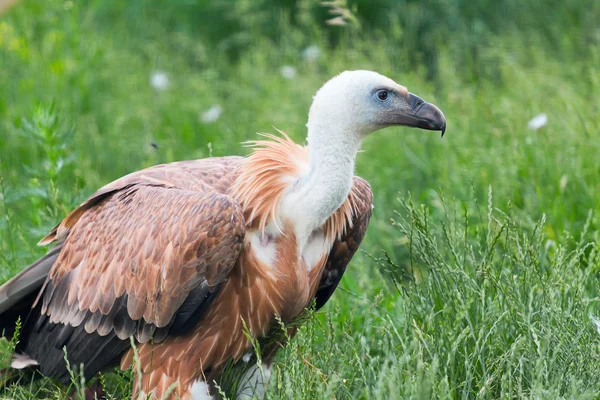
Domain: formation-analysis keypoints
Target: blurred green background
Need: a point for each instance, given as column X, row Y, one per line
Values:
column 90, row 91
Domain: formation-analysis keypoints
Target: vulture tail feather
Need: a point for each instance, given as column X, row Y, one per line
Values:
column 19, row 294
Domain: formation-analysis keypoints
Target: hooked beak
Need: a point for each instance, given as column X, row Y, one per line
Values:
column 421, row 114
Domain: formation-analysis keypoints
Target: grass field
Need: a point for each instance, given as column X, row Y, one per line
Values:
column 480, row 272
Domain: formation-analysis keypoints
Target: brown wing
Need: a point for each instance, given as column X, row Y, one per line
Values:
column 142, row 258
column 150, row 244
column 344, row 248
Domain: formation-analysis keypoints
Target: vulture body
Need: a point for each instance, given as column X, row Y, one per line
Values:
column 188, row 257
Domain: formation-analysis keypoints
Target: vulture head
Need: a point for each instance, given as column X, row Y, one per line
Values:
column 361, row 102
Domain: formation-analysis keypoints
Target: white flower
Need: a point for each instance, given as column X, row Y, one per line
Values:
column 212, row 114
column 288, row 72
column 538, row 121
column 337, row 21
column 595, row 321
column 563, row 183
column 550, row 244
column 363, row 341
column 159, row 80
column 311, row 53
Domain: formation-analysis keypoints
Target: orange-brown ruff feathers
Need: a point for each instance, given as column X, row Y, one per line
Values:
column 180, row 257
column 265, row 175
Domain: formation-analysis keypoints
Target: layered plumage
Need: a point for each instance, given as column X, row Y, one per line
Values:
column 183, row 256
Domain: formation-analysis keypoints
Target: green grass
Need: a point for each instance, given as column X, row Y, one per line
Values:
column 481, row 265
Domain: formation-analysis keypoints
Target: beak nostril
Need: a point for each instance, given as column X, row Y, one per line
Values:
column 415, row 102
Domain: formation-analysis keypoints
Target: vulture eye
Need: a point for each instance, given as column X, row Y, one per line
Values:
column 382, row 95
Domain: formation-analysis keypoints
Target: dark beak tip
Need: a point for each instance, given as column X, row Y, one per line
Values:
column 425, row 115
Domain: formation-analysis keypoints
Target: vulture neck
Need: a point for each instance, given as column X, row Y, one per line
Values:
column 324, row 188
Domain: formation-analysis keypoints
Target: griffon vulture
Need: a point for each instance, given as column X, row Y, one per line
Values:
column 182, row 256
